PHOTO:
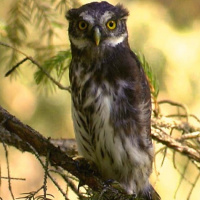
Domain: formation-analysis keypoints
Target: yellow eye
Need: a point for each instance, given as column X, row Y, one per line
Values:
column 82, row 25
column 111, row 24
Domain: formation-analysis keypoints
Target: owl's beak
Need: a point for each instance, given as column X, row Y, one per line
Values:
column 97, row 36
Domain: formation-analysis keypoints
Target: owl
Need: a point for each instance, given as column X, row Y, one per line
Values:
column 111, row 101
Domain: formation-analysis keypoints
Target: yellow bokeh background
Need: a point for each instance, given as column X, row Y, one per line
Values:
column 173, row 53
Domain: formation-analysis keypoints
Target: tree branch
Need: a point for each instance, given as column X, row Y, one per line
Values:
column 164, row 138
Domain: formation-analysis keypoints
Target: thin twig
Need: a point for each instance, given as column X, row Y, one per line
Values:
column 195, row 117
column 14, row 179
column 173, row 103
column 167, row 123
column 182, row 177
column 183, row 116
column 69, row 182
column 154, row 162
column 193, row 185
column 45, row 175
column 196, row 164
column 30, row 195
column 161, row 136
column 164, row 156
column 49, row 175
column 174, row 159
column 14, row 48
column 15, row 67
column 188, row 136
column 8, row 170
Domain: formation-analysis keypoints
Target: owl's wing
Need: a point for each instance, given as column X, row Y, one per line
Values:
column 132, row 106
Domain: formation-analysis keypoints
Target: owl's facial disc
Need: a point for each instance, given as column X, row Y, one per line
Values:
column 96, row 30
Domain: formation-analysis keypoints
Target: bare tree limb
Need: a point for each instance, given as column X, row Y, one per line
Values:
column 159, row 127
column 162, row 137
column 69, row 146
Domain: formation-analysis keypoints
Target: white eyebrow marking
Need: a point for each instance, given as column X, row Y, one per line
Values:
column 106, row 16
column 87, row 17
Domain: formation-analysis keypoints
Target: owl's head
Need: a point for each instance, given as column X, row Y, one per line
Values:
column 97, row 24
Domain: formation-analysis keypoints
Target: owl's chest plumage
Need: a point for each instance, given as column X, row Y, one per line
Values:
column 92, row 106
column 106, row 122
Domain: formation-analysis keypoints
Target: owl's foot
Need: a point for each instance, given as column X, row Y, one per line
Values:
column 134, row 197
column 109, row 181
column 114, row 184
column 86, row 166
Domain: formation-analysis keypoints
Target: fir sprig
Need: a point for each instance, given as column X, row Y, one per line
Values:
column 56, row 66
column 44, row 16
column 16, row 25
column 154, row 86
column 64, row 5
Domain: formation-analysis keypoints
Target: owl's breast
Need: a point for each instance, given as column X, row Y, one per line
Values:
column 91, row 106
column 91, row 111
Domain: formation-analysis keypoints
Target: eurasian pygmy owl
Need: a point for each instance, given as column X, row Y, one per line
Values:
column 111, row 101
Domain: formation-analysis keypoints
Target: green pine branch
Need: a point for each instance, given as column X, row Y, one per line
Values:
column 55, row 66
column 16, row 25
column 154, row 86
column 45, row 17
column 16, row 29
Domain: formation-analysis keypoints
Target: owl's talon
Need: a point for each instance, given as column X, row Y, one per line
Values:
column 82, row 164
column 133, row 196
column 114, row 184
column 109, row 182
column 85, row 165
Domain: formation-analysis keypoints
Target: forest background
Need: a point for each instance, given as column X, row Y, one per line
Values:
column 166, row 32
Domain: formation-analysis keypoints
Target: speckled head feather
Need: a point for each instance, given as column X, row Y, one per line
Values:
column 95, row 16
column 98, row 7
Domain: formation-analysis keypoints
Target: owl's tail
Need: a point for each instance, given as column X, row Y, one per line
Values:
column 149, row 194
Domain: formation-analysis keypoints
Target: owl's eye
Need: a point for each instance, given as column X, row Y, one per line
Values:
column 82, row 25
column 111, row 24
